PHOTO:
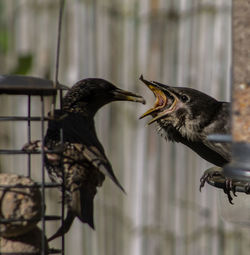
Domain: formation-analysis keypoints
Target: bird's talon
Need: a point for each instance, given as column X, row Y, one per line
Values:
column 209, row 174
column 32, row 146
column 234, row 190
column 203, row 180
column 227, row 192
column 247, row 188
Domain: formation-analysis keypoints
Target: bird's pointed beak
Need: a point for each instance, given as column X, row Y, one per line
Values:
column 163, row 105
column 123, row 95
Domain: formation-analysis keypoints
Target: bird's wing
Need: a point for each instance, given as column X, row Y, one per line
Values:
column 223, row 149
column 216, row 153
column 220, row 127
column 80, row 131
column 204, row 149
column 98, row 159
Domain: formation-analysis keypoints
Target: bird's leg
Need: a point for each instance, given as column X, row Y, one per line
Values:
column 229, row 186
column 32, row 146
column 247, row 188
column 234, row 190
column 227, row 191
column 209, row 174
column 64, row 228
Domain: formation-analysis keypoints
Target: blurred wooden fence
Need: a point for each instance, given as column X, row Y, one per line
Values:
column 186, row 43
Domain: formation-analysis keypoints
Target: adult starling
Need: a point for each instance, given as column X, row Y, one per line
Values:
column 188, row 116
column 83, row 164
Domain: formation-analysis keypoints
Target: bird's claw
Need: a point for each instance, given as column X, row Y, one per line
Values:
column 203, row 180
column 247, row 188
column 32, row 146
column 209, row 174
column 229, row 186
column 228, row 193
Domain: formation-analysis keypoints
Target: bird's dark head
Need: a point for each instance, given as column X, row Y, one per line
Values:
column 88, row 95
column 186, row 109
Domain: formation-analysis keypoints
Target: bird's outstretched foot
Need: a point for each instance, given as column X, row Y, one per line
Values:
column 215, row 175
column 209, row 174
column 32, row 146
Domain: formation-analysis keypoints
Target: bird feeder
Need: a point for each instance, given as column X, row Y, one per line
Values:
column 29, row 87
column 236, row 175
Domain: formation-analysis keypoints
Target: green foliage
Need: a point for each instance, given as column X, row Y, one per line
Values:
column 4, row 40
column 24, row 65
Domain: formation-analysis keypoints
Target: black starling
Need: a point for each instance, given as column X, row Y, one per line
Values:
column 188, row 116
column 84, row 161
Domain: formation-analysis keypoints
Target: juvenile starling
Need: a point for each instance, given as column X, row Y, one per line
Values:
column 188, row 116
column 83, row 164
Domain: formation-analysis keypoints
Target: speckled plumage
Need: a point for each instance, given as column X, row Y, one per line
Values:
column 82, row 152
column 80, row 159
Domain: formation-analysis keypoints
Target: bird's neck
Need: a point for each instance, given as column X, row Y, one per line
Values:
column 85, row 122
column 172, row 131
column 192, row 129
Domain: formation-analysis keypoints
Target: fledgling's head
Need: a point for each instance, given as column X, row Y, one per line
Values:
column 89, row 95
column 183, row 108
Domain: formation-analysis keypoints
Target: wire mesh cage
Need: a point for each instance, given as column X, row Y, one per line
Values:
column 28, row 87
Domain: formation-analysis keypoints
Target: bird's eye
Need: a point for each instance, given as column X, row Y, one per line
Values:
column 171, row 97
column 184, row 98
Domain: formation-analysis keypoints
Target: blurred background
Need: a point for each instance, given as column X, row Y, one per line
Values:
column 176, row 42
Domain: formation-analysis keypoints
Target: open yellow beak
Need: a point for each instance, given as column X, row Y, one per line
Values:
column 164, row 113
column 160, row 103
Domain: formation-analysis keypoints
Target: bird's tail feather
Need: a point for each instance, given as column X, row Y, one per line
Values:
column 82, row 203
column 65, row 227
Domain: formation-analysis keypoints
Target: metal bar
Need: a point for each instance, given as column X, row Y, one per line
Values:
column 63, row 191
column 10, row 152
column 20, row 253
column 2, row 151
column 220, row 138
column 62, row 2
column 57, row 52
column 58, row 41
column 54, row 251
column 29, row 135
column 27, row 85
column 21, row 118
column 43, row 178
column 35, row 185
column 61, row 98
column 50, row 251
column 46, row 217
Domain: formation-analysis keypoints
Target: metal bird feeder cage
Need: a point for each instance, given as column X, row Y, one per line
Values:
column 33, row 87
